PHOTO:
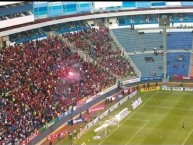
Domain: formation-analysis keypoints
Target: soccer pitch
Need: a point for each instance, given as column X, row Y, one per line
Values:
column 158, row 120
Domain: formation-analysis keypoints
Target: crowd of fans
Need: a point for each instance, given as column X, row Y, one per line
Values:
column 35, row 33
column 41, row 79
column 97, row 43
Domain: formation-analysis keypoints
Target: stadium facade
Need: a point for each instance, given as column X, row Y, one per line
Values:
column 168, row 22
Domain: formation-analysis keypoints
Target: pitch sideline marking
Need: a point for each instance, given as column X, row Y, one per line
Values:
column 177, row 93
column 169, row 108
column 130, row 115
column 187, row 137
column 139, row 120
column 137, row 131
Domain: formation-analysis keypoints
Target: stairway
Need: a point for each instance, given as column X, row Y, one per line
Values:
column 191, row 62
column 139, row 41
column 165, row 52
column 191, row 65
column 137, row 71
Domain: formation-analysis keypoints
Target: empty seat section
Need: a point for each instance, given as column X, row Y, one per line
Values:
column 127, row 38
column 178, row 63
column 149, row 64
column 149, row 41
column 179, row 40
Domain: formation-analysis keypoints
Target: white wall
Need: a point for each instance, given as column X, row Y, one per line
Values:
column 115, row 26
column 179, row 24
column 16, row 21
column 9, row 3
column 151, row 31
column 98, row 5
column 146, row 26
column 94, row 16
column 179, row 30
column 175, row 3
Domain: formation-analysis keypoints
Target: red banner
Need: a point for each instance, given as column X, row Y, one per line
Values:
column 96, row 108
column 28, row 139
column 57, row 135
column 183, row 77
column 81, row 102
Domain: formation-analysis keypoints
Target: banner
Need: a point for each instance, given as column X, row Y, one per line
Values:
column 90, row 98
column 81, row 102
column 177, row 88
column 63, row 115
column 28, row 139
column 150, row 89
column 96, row 108
column 58, row 135
column 172, row 88
column 121, row 115
column 182, row 77
column 136, row 103
column 131, row 81
column 151, row 78
column 166, row 88
column 77, row 120
column 105, row 114
column 42, row 129
column 188, row 89
column 115, row 96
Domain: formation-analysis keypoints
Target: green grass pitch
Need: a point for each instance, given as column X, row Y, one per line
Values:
column 158, row 120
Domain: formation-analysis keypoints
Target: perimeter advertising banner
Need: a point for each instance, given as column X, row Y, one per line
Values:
column 177, row 88
column 150, row 78
column 28, row 139
column 96, row 108
column 150, row 89
column 58, row 135
column 42, row 129
column 104, row 114
column 182, row 78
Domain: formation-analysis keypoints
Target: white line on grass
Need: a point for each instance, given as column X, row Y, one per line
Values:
column 176, row 93
column 169, row 108
column 139, row 120
column 130, row 115
column 137, row 132
column 187, row 137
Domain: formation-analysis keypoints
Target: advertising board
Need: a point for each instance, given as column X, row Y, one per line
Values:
column 177, row 88
column 96, row 108
column 150, row 78
column 177, row 77
column 28, row 139
column 58, row 135
column 154, row 88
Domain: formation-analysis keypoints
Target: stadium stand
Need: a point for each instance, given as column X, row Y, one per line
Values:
column 187, row 17
column 181, row 18
column 127, row 38
column 178, row 63
column 36, row 87
column 42, row 79
column 132, row 41
column 42, row 32
column 98, row 45
column 137, row 19
column 150, row 41
column 27, row 36
column 179, row 40
column 149, row 64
